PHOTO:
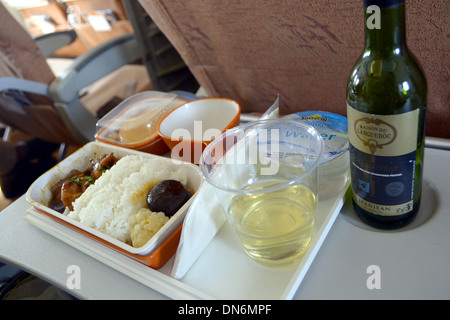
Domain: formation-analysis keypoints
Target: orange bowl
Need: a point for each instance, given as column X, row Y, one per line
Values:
column 189, row 128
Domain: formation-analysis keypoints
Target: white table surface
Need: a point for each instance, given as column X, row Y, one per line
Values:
column 413, row 263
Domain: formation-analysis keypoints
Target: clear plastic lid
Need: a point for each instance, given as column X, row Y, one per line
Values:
column 332, row 127
column 134, row 121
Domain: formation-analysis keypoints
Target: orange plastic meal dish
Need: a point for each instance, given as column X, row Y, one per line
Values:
column 154, row 144
column 139, row 131
column 155, row 260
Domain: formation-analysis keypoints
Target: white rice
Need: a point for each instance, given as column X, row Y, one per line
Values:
column 120, row 192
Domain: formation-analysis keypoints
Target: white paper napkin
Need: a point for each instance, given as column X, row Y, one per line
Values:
column 204, row 218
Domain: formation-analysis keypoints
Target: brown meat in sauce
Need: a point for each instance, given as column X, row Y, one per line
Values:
column 101, row 164
column 67, row 190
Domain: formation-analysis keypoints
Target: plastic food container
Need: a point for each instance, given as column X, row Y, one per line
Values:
column 159, row 248
column 334, row 167
column 133, row 124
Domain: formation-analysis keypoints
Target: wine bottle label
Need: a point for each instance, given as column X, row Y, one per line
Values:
column 382, row 160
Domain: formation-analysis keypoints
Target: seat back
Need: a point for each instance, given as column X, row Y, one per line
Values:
column 20, row 57
column 251, row 51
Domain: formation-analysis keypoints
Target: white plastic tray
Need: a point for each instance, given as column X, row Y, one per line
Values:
column 223, row 271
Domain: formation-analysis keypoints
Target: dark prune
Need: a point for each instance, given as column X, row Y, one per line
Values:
column 167, row 196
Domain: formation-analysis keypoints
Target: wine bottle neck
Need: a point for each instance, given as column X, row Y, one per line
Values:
column 385, row 32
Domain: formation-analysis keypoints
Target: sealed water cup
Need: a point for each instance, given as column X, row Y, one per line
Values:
column 334, row 165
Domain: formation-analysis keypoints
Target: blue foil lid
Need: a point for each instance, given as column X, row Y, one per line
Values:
column 331, row 126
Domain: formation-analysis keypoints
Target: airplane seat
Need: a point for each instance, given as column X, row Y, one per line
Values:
column 55, row 110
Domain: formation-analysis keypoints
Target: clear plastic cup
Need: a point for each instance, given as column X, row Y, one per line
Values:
column 265, row 175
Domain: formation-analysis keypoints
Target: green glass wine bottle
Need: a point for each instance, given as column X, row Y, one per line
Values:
column 386, row 103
